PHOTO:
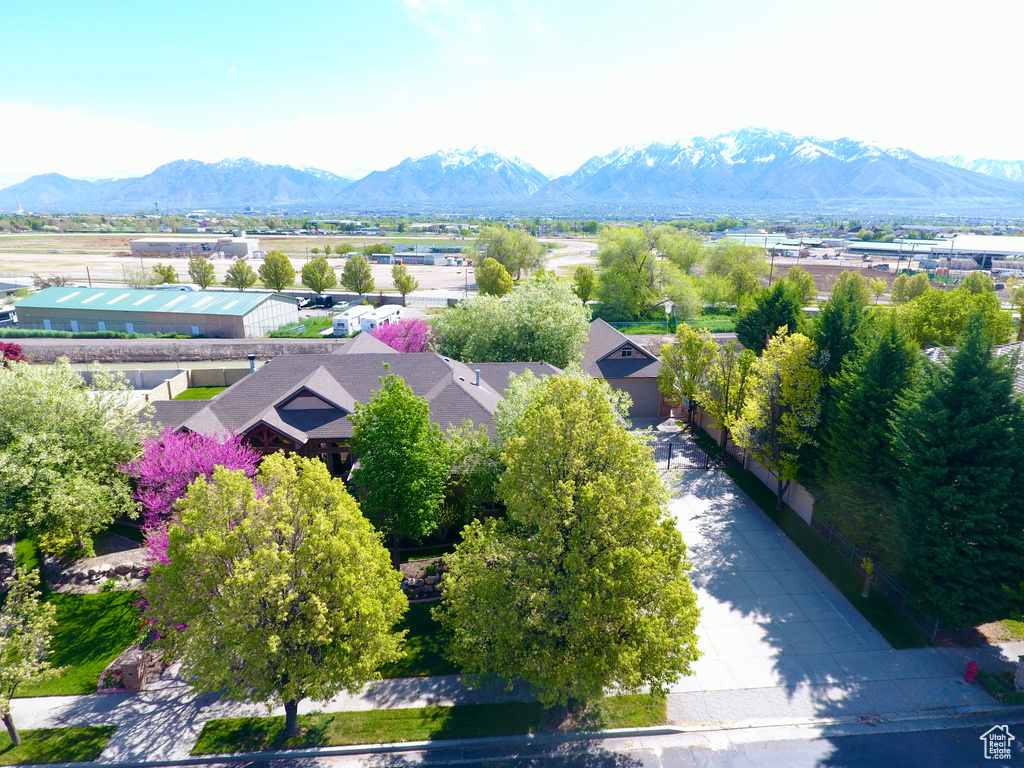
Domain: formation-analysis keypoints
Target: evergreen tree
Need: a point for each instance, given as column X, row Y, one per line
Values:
column 860, row 466
column 771, row 310
column 960, row 436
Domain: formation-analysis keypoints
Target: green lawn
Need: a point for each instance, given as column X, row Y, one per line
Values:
column 56, row 745
column 893, row 625
column 91, row 631
column 383, row 726
column 311, row 328
column 199, row 393
column 423, row 646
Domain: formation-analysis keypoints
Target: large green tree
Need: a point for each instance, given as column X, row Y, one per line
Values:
column 634, row 281
column 724, row 389
column 782, row 409
column 404, row 463
column 515, row 249
column 839, row 320
column 908, row 287
column 584, row 586
column 318, row 275
column 240, row 275
column 939, row 318
column 26, row 630
column 861, row 468
column 356, row 275
column 404, row 282
column 201, row 271
column 276, row 271
column 542, row 321
column 960, row 438
column 278, row 591
column 492, row 279
column 584, row 283
column 742, row 266
column 685, row 365
column 772, row 309
column 801, row 285
column 60, row 446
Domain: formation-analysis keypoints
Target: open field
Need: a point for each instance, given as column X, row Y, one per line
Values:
column 86, row 257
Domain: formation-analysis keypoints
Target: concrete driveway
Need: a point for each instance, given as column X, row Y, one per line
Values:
column 780, row 642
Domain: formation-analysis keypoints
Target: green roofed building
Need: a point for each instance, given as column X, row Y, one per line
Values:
column 214, row 314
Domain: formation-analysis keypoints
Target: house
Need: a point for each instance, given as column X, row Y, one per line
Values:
column 300, row 403
column 626, row 366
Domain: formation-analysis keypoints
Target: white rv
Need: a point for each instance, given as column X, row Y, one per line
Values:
column 346, row 323
column 384, row 315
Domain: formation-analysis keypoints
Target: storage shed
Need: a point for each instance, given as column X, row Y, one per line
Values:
column 215, row 314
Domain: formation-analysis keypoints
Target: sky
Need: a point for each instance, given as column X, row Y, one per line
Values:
column 112, row 88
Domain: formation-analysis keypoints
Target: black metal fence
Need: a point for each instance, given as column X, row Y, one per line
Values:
column 684, row 454
column 891, row 589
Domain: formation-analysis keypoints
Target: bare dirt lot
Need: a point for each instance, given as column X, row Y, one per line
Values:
column 86, row 258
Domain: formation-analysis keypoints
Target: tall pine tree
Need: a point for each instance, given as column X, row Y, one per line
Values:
column 960, row 437
column 859, row 469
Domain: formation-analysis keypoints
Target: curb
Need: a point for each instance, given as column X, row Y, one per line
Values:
column 838, row 727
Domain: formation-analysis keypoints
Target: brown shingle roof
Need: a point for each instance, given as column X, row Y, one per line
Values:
column 341, row 381
column 602, row 355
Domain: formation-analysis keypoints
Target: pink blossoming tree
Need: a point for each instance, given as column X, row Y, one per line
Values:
column 166, row 467
column 411, row 335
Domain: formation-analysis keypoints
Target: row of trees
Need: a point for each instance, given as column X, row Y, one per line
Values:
column 911, row 458
column 277, row 273
column 277, row 588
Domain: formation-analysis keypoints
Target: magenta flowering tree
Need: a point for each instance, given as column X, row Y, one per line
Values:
column 11, row 353
column 411, row 335
column 166, row 467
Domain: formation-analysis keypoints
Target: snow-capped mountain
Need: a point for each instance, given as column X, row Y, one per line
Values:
column 1007, row 170
column 476, row 175
column 180, row 184
column 757, row 165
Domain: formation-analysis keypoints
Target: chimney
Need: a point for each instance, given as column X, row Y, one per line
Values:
column 252, row 363
column 477, row 377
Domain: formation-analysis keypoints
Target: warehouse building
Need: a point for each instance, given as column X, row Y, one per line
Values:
column 213, row 314
column 236, row 247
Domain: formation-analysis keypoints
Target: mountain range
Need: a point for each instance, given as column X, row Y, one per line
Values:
column 751, row 167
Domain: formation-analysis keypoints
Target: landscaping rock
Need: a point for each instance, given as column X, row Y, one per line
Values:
column 431, row 580
column 123, row 569
column 414, row 583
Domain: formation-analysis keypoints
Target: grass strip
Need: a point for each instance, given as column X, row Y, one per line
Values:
column 1000, row 685
column 91, row 631
column 56, row 745
column 385, row 726
column 896, row 628
column 424, row 646
column 199, row 393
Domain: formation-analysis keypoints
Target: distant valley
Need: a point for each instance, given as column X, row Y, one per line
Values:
column 750, row 169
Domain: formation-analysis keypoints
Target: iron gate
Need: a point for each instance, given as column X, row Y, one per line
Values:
column 681, row 455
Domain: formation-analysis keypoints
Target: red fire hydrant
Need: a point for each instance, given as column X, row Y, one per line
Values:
column 972, row 672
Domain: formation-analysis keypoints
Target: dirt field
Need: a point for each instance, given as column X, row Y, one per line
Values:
column 86, row 258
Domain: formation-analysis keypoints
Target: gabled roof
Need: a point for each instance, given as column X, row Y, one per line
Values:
column 941, row 355
column 342, row 381
column 602, row 355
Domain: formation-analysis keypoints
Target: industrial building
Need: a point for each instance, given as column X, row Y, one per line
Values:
column 214, row 314
column 236, row 247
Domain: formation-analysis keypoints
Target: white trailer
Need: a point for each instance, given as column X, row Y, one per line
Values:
column 384, row 315
column 346, row 323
